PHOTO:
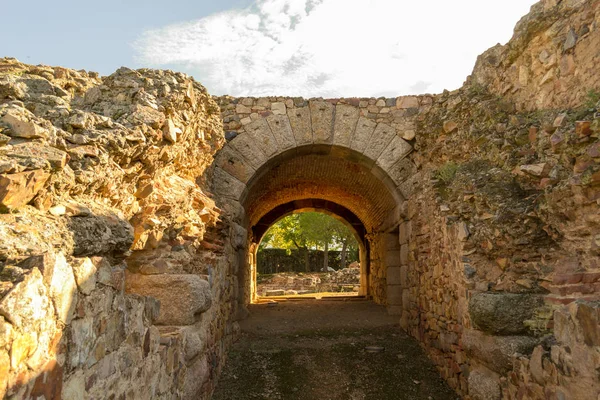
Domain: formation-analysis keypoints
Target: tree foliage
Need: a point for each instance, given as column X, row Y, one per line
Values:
column 310, row 230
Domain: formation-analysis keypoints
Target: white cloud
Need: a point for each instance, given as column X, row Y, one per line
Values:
column 334, row 48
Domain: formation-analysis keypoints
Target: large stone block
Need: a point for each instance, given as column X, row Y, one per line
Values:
column 393, row 275
column 401, row 171
column 28, row 302
column 496, row 352
column 404, row 276
column 227, row 186
column 321, row 113
column 392, row 258
column 362, row 135
column 404, row 254
column 380, row 139
column 261, row 133
column 405, row 231
column 249, row 150
column 85, row 274
column 588, row 320
column 182, row 297
column 234, row 164
column 394, row 295
column 282, row 130
column 31, row 152
column 484, row 385
column 503, row 313
column 198, row 372
column 63, row 289
column 346, row 118
column 16, row 190
column 21, row 128
column 396, row 150
column 100, row 235
column 301, row 125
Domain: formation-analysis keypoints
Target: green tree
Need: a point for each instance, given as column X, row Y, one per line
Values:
column 311, row 229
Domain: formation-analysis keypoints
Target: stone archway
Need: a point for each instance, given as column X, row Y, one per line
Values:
column 330, row 208
column 351, row 153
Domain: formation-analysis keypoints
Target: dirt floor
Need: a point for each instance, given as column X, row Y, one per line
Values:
column 340, row 349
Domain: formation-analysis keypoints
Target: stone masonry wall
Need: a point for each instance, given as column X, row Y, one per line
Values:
column 501, row 283
column 115, row 279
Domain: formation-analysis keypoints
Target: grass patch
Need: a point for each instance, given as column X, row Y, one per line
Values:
column 446, row 172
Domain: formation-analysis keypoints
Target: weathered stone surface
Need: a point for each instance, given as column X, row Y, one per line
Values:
column 27, row 302
column 278, row 108
column 74, row 386
column 381, row 138
column 282, row 130
column 503, row 313
column 393, row 275
column 228, row 187
column 396, row 150
column 496, row 352
column 21, row 128
column 300, row 122
column 450, row 126
column 170, row 131
column 182, row 297
column 536, row 169
column 62, row 288
column 196, row 376
column 245, row 146
column 100, row 235
column 85, row 274
column 321, row 114
column 346, row 118
column 407, row 102
column 4, row 370
column 16, row 190
column 261, row 134
column 484, row 385
column 46, row 157
column 83, row 338
column 362, row 136
column 236, row 165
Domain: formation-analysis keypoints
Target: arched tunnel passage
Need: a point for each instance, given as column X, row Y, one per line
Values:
column 335, row 179
column 327, row 207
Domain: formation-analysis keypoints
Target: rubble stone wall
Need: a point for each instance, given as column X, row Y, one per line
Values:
column 113, row 268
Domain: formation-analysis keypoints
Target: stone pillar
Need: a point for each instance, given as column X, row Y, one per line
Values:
column 364, row 271
column 392, row 265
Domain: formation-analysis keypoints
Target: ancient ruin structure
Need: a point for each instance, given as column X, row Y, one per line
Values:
column 132, row 206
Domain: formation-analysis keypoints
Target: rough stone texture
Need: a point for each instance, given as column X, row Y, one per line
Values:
column 182, row 297
column 321, row 114
column 483, row 385
column 503, row 313
column 106, row 168
column 346, row 118
column 16, row 190
column 497, row 352
column 547, row 64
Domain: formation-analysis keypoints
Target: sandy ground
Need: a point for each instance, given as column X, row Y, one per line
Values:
column 317, row 350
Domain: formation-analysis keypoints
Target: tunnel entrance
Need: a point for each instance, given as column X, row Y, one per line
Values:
column 311, row 251
column 263, row 183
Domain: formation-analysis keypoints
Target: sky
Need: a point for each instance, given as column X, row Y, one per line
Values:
column 310, row 48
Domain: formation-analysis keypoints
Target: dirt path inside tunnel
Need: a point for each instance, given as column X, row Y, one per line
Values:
column 317, row 350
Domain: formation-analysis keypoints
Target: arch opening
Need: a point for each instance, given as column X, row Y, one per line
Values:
column 327, row 178
column 347, row 218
